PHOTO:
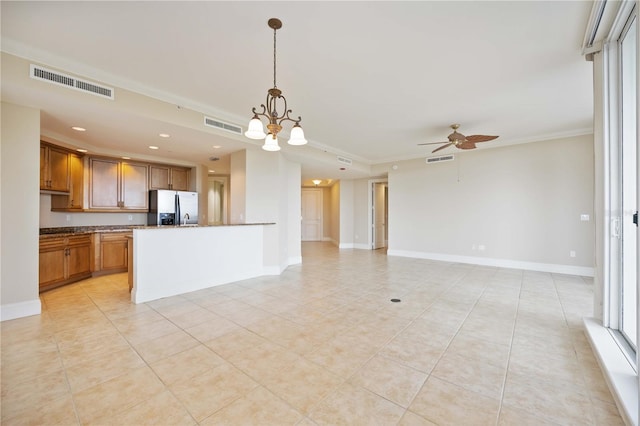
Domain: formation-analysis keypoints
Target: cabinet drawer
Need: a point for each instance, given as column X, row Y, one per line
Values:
column 53, row 243
column 115, row 236
column 79, row 240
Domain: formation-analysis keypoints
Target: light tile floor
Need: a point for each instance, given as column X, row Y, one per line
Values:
column 320, row 344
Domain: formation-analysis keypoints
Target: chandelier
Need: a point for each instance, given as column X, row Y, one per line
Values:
column 274, row 95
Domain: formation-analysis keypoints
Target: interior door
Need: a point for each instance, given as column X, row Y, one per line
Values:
column 379, row 216
column 311, row 214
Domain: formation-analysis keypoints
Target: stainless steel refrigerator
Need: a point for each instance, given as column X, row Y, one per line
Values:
column 167, row 207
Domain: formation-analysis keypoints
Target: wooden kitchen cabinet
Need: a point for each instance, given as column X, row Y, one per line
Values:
column 75, row 199
column 116, row 185
column 54, row 168
column 168, row 177
column 111, row 252
column 64, row 260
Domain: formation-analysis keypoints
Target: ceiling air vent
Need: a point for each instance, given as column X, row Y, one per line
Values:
column 344, row 160
column 55, row 77
column 440, row 159
column 211, row 122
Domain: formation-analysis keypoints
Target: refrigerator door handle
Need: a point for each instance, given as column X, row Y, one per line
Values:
column 178, row 216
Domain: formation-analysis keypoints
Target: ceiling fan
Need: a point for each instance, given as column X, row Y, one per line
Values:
column 460, row 141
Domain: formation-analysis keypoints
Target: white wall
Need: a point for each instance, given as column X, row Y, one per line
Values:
column 334, row 235
column 19, row 186
column 292, row 210
column 49, row 219
column 217, row 255
column 262, row 186
column 361, row 210
column 237, row 186
column 346, row 213
column 522, row 203
column 326, row 213
column 265, row 188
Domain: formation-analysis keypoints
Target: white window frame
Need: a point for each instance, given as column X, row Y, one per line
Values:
column 606, row 24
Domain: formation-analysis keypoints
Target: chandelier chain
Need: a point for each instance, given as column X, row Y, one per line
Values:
column 274, row 57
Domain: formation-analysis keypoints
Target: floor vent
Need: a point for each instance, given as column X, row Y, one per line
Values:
column 440, row 159
column 211, row 122
column 55, row 77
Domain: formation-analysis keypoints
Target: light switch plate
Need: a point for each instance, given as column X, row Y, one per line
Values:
column 584, row 217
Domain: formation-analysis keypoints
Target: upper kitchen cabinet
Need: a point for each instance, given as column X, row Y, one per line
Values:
column 116, row 185
column 169, row 177
column 73, row 201
column 54, row 168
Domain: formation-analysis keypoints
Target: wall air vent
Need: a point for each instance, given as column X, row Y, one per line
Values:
column 344, row 160
column 212, row 122
column 55, row 77
column 440, row 159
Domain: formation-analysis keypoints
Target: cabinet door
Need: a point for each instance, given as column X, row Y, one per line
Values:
column 54, row 168
column 180, row 179
column 159, row 177
column 76, row 180
column 52, row 262
column 104, row 183
column 58, row 166
column 113, row 252
column 135, row 186
column 79, row 257
column 44, row 179
column 73, row 201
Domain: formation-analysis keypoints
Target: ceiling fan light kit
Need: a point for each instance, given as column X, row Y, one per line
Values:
column 460, row 141
column 255, row 130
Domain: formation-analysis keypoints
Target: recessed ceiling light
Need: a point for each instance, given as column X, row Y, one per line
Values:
column 153, row 147
column 216, row 147
column 164, row 135
column 79, row 129
column 212, row 171
column 81, row 150
column 126, row 158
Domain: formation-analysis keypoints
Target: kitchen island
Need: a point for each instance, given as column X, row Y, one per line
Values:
column 171, row 260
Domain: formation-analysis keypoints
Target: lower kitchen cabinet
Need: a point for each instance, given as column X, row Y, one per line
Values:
column 64, row 260
column 111, row 252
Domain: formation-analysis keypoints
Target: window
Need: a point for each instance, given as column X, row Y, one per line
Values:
column 611, row 42
column 627, row 47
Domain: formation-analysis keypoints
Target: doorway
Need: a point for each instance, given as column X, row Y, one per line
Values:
column 218, row 187
column 312, row 217
column 379, row 234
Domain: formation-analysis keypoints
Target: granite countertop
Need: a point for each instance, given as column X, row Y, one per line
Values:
column 78, row 230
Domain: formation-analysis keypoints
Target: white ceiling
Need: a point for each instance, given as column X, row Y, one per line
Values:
column 371, row 80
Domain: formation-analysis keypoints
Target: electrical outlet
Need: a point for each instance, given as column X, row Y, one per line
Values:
column 584, row 217
column 572, row 253
column 473, row 247
column 68, row 218
column 481, row 247
column 130, row 217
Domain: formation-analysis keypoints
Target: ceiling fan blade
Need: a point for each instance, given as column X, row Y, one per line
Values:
column 442, row 147
column 433, row 143
column 480, row 138
column 466, row 145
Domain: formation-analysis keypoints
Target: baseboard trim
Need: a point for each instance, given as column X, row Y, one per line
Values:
column 500, row 263
column 19, row 310
column 619, row 374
